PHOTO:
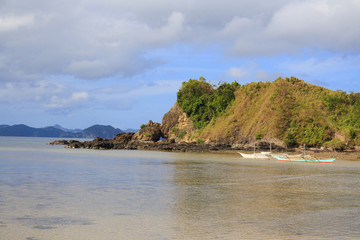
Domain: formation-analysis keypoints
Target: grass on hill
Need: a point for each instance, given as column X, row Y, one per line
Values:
column 289, row 110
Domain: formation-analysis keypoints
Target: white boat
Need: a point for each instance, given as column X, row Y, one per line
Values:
column 254, row 155
column 262, row 155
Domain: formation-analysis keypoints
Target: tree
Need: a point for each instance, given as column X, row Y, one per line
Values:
column 202, row 102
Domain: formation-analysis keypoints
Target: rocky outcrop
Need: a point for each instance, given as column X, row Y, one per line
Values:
column 150, row 132
column 176, row 125
column 126, row 141
column 104, row 144
column 62, row 142
column 124, row 137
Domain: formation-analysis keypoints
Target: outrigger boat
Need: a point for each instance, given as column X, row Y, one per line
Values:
column 254, row 155
column 302, row 158
column 305, row 158
column 262, row 155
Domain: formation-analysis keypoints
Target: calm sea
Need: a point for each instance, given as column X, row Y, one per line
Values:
column 48, row 192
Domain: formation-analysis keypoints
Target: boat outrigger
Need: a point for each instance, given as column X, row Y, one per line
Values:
column 302, row 158
column 286, row 157
column 305, row 158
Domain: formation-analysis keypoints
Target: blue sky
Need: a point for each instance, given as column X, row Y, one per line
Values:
column 83, row 62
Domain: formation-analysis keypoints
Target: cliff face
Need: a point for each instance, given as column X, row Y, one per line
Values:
column 176, row 125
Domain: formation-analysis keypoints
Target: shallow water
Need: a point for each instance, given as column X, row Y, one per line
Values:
column 48, row 192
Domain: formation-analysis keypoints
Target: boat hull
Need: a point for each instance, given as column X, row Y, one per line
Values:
column 301, row 159
column 254, row 155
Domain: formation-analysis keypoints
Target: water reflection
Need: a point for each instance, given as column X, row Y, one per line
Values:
column 54, row 193
column 264, row 200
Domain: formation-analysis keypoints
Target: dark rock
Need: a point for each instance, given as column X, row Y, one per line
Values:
column 63, row 142
column 123, row 137
column 127, row 141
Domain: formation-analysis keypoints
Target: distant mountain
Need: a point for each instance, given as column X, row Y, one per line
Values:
column 130, row 130
column 100, row 131
column 67, row 130
column 22, row 130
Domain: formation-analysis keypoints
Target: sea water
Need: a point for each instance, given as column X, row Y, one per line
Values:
column 49, row 192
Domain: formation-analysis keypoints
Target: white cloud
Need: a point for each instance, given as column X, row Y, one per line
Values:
column 96, row 40
column 237, row 73
column 296, row 25
column 83, row 42
column 321, row 23
column 15, row 22
column 262, row 75
column 49, row 95
column 75, row 100
column 19, row 92
column 140, row 89
column 324, row 64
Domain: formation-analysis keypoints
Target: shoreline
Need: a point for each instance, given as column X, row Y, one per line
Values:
column 168, row 146
column 346, row 155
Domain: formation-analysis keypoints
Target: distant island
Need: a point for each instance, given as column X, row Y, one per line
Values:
column 94, row 131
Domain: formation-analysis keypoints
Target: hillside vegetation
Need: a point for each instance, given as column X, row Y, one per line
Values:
column 203, row 102
column 288, row 111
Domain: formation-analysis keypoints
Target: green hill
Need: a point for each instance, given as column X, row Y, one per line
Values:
column 287, row 111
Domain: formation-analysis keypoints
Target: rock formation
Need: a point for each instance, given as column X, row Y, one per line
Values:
column 124, row 137
column 176, row 125
column 150, row 132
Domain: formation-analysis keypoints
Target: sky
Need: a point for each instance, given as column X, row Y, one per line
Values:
column 114, row 62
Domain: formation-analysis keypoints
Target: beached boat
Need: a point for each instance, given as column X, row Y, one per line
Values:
column 254, row 155
column 262, row 155
column 303, row 158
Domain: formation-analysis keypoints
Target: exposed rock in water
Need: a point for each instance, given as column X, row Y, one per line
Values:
column 145, row 145
column 63, row 142
column 126, row 141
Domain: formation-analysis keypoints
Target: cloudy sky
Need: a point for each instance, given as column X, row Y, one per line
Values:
column 82, row 62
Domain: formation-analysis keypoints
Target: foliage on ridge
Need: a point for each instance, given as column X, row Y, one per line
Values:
column 203, row 102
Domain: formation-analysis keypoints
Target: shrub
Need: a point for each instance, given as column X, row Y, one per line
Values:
column 335, row 144
column 290, row 140
column 200, row 141
column 202, row 102
column 258, row 136
column 180, row 133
